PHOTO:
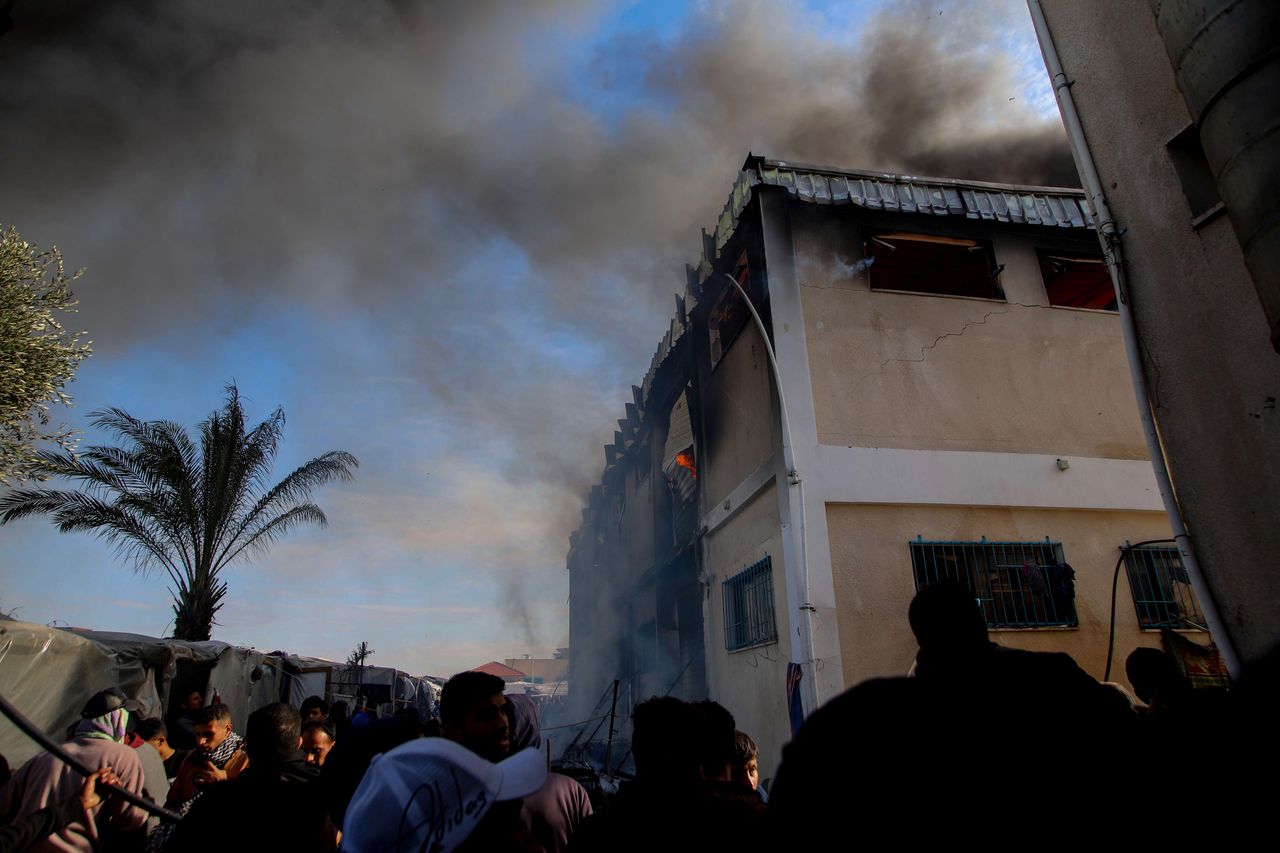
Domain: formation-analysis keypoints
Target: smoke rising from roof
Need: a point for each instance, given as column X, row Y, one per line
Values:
column 500, row 220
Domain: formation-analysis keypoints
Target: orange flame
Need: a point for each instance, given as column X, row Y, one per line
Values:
column 685, row 460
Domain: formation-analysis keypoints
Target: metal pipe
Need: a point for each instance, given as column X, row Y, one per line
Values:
column 793, row 479
column 32, row 731
column 1112, row 248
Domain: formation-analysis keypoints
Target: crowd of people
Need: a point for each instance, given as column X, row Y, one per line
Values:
column 980, row 742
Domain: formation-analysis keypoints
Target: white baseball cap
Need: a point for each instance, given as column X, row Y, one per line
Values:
column 430, row 793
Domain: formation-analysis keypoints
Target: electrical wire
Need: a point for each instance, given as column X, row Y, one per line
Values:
column 1115, row 582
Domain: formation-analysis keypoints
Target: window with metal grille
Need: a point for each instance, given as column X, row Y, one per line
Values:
column 1017, row 584
column 748, row 607
column 1161, row 588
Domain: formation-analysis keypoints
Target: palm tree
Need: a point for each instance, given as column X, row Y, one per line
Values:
column 163, row 501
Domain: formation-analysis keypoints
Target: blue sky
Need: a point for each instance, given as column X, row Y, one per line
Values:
column 445, row 242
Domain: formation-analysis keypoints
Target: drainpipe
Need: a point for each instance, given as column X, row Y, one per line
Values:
column 1109, row 235
column 793, row 479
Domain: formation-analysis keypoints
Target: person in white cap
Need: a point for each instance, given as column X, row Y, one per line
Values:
column 436, row 795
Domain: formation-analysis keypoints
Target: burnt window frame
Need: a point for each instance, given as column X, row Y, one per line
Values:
column 881, row 238
column 730, row 296
column 1044, row 254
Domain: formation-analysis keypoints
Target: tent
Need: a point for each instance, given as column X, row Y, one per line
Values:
column 49, row 673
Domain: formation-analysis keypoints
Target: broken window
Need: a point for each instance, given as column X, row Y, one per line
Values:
column 680, row 467
column 729, row 315
column 928, row 263
column 1077, row 280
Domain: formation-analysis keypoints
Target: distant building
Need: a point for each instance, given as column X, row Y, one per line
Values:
column 540, row 670
column 506, row 673
column 958, row 406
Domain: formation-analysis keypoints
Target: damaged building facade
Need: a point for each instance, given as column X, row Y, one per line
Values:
column 954, row 403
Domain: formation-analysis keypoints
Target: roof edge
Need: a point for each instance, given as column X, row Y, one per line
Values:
column 755, row 161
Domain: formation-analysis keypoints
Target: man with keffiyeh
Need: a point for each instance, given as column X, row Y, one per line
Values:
column 46, row 781
column 219, row 756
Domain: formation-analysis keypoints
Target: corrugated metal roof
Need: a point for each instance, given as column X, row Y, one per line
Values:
column 1059, row 207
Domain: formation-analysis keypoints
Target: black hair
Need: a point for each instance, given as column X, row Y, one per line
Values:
column 149, row 727
column 716, row 731
column 214, row 713
column 314, row 702
column 664, row 740
column 1153, row 674
column 271, row 731
column 325, row 726
column 464, row 691
column 945, row 614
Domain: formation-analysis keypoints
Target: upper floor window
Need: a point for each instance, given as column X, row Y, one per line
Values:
column 1016, row 584
column 1076, row 280
column 730, row 313
column 928, row 263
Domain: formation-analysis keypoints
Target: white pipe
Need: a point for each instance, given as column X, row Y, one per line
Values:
column 793, row 479
column 1112, row 251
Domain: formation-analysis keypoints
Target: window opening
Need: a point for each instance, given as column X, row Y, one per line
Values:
column 1016, row 584
column 748, row 607
column 927, row 263
column 1077, row 280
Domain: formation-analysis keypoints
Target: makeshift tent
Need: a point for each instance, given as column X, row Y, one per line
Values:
column 49, row 673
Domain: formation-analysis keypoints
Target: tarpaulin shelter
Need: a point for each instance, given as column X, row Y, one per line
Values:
column 49, row 673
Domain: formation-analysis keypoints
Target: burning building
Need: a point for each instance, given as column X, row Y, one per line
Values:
column 939, row 391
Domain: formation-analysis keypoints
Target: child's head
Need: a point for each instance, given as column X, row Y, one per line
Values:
column 746, row 767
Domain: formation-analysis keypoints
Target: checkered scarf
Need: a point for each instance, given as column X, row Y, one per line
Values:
column 159, row 839
column 222, row 754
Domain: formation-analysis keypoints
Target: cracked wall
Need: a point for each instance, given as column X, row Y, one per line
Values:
column 932, row 372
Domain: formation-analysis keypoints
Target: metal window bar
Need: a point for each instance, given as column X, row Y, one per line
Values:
column 1016, row 584
column 748, row 607
column 1161, row 588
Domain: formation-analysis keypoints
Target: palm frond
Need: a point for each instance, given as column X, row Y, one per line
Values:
column 162, row 499
column 262, row 535
column 298, row 486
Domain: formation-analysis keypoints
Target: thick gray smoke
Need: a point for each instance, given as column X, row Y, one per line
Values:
column 444, row 174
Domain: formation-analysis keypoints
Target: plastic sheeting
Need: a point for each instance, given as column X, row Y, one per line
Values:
column 49, row 674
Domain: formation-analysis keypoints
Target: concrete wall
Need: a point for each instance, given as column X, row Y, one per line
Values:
column 936, row 372
column 1215, row 377
column 874, row 583
column 751, row 683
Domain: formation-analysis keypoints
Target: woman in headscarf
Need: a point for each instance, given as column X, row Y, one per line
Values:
column 46, row 781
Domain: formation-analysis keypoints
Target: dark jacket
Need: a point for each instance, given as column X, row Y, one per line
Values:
column 697, row 817
column 275, row 806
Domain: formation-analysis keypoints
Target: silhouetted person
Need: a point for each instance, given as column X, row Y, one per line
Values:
column 346, row 763
column 553, row 813
column 927, row 759
column 682, row 798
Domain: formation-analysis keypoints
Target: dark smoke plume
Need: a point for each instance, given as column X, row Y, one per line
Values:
column 436, row 173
